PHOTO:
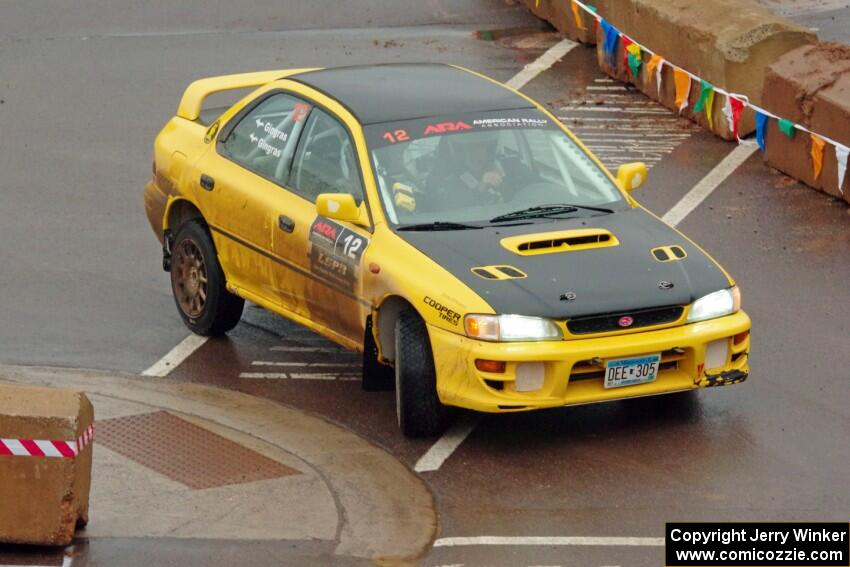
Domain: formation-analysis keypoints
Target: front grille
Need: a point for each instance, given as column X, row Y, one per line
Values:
column 611, row 322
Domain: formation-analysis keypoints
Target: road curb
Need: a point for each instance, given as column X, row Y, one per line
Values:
column 386, row 513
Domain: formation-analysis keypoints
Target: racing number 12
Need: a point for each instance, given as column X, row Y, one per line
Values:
column 352, row 245
column 397, row 136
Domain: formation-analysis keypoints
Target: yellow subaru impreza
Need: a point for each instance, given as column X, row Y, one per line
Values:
column 448, row 227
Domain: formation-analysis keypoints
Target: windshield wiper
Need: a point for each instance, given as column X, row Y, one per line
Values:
column 547, row 211
column 439, row 225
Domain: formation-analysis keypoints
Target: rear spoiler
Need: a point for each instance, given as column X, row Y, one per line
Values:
column 198, row 91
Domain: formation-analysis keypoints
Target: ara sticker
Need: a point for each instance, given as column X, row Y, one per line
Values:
column 444, row 127
column 335, row 252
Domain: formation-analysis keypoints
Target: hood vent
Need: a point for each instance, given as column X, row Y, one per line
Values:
column 563, row 241
column 669, row 253
column 499, row 273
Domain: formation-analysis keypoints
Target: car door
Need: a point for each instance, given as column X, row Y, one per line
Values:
column 240, row 190
column 325, row 162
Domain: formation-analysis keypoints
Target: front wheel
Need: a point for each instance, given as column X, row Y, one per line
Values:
column 419, row 411
column 198, row 284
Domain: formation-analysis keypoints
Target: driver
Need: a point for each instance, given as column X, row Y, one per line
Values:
column 475, row 174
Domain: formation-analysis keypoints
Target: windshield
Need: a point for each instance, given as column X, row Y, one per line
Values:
column 476, row 168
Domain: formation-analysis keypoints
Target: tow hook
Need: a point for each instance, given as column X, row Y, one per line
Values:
column 167, row 244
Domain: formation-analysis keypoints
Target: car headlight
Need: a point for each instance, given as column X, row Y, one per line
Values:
column 717, row 304
column 511, row 328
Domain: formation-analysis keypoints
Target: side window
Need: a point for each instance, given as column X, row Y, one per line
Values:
column 265, row 139
column 325, row 161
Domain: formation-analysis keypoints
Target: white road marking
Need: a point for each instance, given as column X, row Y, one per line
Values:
column 608, row 88
column 304, row 364
column 175, row 356
column 299, row 376
column 325, row 376
column 623, row 122
column 437, row 454
column 552, row 56
column 610, row 109
column 327, row 350
column 709, row 183
column 554, row 540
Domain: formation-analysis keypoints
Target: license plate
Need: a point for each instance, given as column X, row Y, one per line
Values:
column 631, row 371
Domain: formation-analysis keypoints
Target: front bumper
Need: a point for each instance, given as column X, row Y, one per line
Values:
column 573, row 370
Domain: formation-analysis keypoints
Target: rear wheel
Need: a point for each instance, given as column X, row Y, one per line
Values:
column 198, row 284
column 420, row 413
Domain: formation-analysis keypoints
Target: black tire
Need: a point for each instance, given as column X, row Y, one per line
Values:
column 377, row 377
column 419, row 411
column 198, row 284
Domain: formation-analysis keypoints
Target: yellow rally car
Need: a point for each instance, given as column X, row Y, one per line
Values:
column 448, row 227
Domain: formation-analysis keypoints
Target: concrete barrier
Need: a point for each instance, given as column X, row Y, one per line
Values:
column 559, row 13
column 45, row 464
column 728, row 43
column 810, row 86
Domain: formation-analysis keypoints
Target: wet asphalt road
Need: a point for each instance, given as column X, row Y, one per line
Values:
column 84, row 93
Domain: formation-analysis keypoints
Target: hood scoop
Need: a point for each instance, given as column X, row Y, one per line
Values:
column 561, row 241
column 499, row 273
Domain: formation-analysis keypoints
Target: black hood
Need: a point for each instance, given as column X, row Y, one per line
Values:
column 612, row 279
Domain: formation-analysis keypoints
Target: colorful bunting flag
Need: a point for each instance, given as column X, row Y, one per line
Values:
column 732, row 110
column 787, row 127
column 683, row 88
column 817, row 155
column 706, row 102
column 627, row 42
column 609, row 43
column 761, row 129
column 709, row 109
column 733, row 107
column 634, row 59
column 655, row 64
column 842, row 153
column 577, row 16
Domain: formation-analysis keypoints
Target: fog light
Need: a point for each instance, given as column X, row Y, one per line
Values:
column 716, row 353
column 741, row 337
column 529, row 376
column 494, row 366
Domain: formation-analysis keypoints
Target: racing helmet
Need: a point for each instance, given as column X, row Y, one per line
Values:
column 466, row 143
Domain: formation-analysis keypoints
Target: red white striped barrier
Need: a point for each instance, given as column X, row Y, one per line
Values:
column 42, row 448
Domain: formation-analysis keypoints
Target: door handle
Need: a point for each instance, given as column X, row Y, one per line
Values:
column 285, row 223
column 207, row 182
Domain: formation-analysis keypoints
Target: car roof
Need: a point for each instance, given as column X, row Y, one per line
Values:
column 394, row 92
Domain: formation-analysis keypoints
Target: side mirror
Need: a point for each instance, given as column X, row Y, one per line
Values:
column 340, row 206
column 630, row 176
